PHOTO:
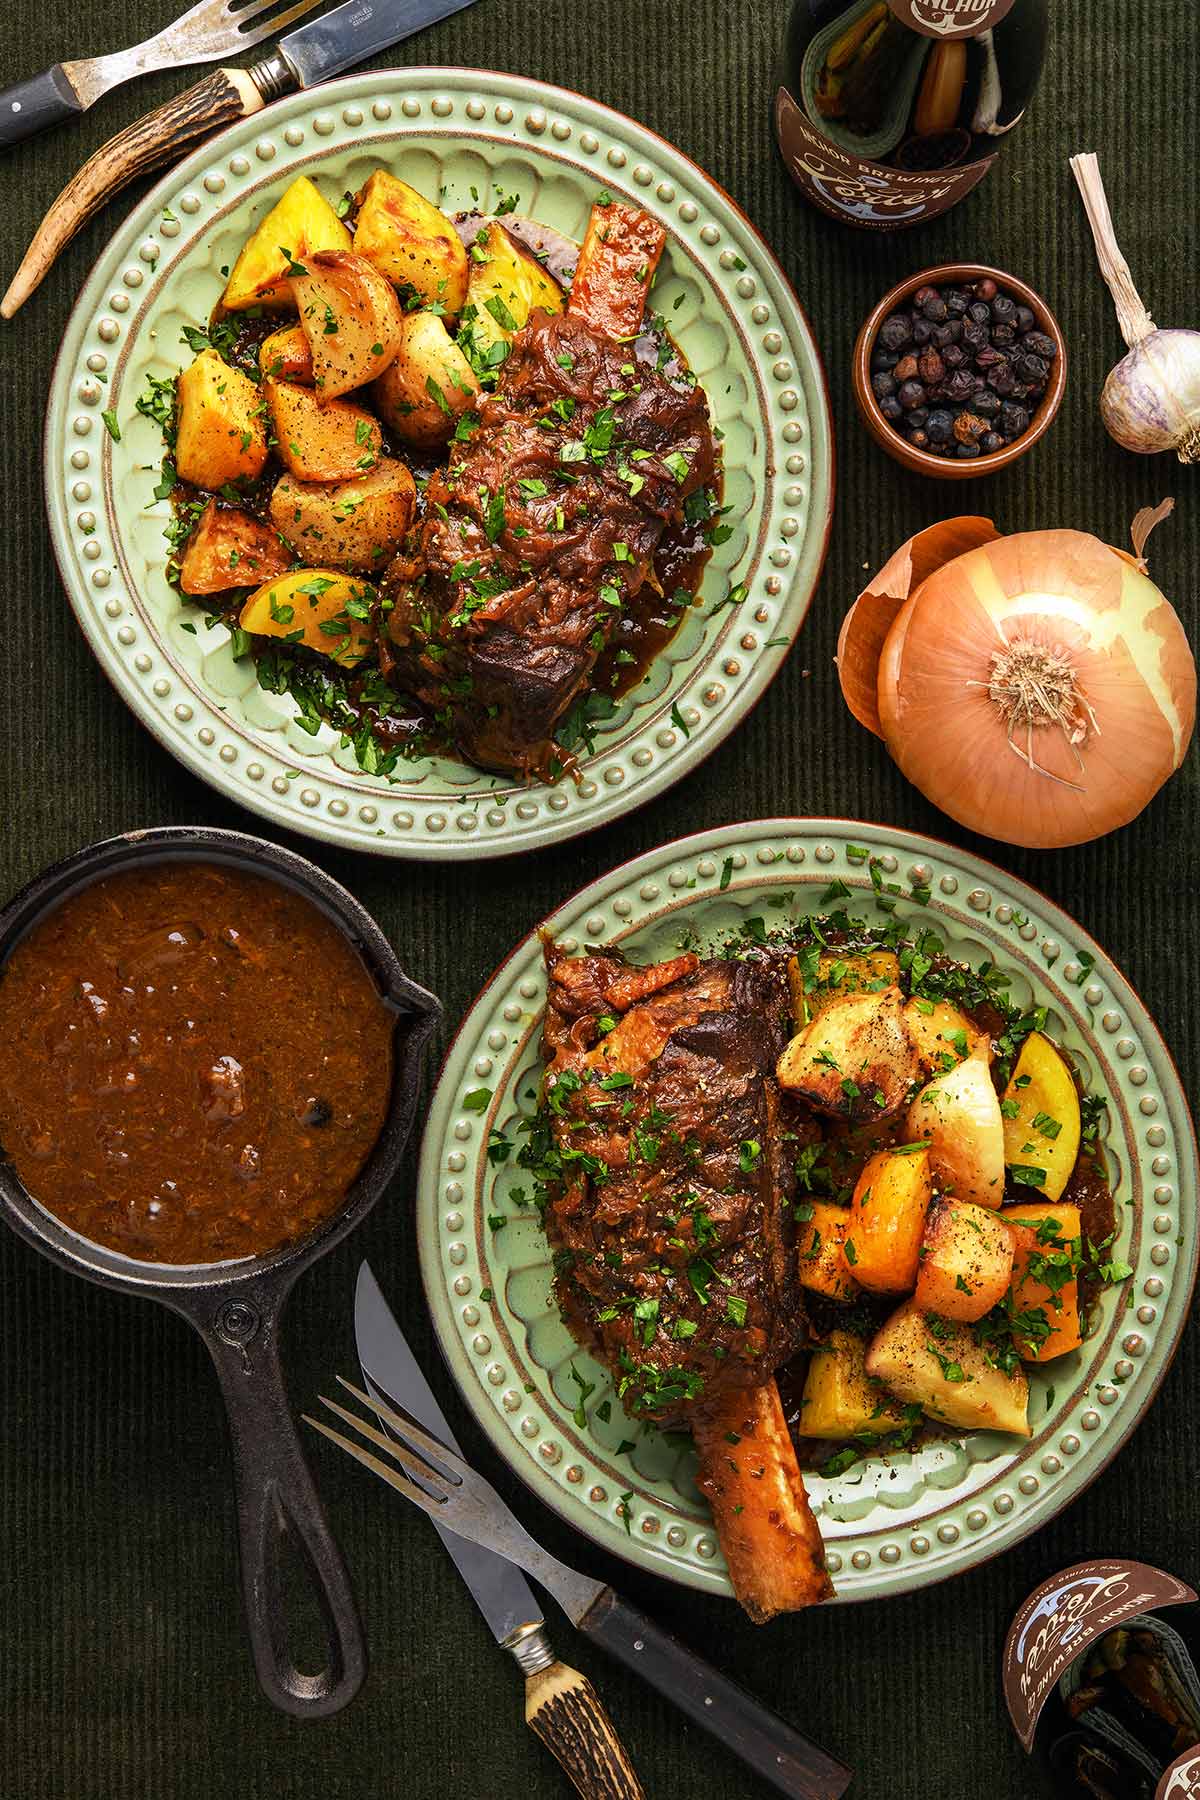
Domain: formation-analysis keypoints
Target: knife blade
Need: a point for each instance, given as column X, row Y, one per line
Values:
column 355, row 32
column 561, row 1705
column 352, row 33
column 500, row 1591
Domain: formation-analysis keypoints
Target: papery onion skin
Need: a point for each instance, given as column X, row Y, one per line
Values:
column 866, row 625
column 1151, row 400
column 1066, row 593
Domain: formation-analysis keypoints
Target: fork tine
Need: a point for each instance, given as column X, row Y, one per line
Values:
column 435, row 1480
column 274, row 23
column 393, row 1478
column 430, row 1447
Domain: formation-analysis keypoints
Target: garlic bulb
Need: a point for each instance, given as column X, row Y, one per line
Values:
column 1151, row 400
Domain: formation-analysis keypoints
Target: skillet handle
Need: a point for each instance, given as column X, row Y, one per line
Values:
column 278, row 1509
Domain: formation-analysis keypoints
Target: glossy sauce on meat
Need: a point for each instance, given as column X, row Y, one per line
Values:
column 205, row 1063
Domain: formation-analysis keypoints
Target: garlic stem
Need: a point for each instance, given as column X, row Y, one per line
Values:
column 1134, row 320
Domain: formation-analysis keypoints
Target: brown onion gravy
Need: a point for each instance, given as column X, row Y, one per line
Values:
column 194, row 1063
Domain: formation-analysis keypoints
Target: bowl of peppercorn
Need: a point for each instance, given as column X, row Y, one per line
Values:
column 959, row 370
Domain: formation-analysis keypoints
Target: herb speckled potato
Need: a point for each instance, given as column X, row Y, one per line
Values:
column 355, row 525
column 330, row 441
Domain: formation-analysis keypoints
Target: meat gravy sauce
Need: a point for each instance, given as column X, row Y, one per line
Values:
column 195, row 1063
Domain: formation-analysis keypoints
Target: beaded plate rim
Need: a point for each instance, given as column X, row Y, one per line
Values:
column 788, row 524
column 1151, row 1134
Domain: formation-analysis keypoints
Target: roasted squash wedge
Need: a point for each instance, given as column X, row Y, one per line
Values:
column 884, row 1232
column 410, row 242
column 324, row 609
column 966, row 1260
column 351, row 318
column 301, row 222
column 1045, row 1284
column 332, row 442
column 221, row 435
column 1042, row 1121
column 819, row 1249
column 229, row 548
column 505, row 284
column 936, row 1364
column 352, row 525
column 429, row 385
column 840, row 1399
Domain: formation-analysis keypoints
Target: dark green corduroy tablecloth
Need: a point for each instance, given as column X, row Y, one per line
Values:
column 124, row 1673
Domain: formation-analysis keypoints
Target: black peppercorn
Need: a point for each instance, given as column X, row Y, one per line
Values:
column 922, row 331
column 954, row 356
column 1004, row 310
column 882, row 384
column 1039, row 343
column 986, row 403
column 966, row 450
column 940, row 426
column 960, row 386
column 1030, row 368
column 956, row 302
column 911, row 394
column 1001, row 379
column 918, row 418
column 975, row 336
column 894, row 331
column 990, row 441
column 986, row 289
column 1026, row 318
column 884, row 359
column 934, row 308
column 1012, row 419
column 891, row 409
column 918, row 440
column 1004, row 334
column 980, row 313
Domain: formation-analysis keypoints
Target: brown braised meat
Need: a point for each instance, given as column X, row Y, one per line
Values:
column 543, row 525
column 672, row 1223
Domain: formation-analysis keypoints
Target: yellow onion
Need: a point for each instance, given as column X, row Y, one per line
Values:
column 1151, row 399
column 1038, row 688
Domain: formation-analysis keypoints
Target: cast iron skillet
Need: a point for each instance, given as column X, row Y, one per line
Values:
column 236, row 1306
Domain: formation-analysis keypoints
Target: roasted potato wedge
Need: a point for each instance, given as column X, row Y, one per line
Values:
column 302, row 222
column 286, row 355
column 959, row 1113
column 230, row 549
column 354, row 525
column 943, row 1035
column 324, row 609
column 506, row 283
column 840, row 1399
column 410, row 242
column 336, row 441
column 966, row 1260
column 818, row 977
column 616, row 266
column 855, row 1060
column 749, row 1473
column 351, row 318
column 221, row 435
column 937, row 1365
column 429, row 385
column 820, row 1253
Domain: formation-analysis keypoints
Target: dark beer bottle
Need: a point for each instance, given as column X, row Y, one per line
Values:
column 889, row 111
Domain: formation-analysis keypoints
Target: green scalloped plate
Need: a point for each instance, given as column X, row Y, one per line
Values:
column 453, row 133
column 890, row 1524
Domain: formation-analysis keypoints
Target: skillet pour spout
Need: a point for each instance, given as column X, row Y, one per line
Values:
column 236, row 1306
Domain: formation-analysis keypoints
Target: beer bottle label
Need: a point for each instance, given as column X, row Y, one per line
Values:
column 1063, row 1618
column 950, row 18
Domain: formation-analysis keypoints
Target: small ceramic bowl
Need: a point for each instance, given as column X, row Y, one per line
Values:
column 923, row 462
